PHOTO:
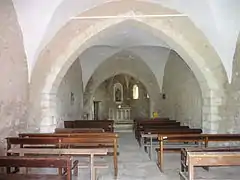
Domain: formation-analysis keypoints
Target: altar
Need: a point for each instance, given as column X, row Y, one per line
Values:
column 120, row 114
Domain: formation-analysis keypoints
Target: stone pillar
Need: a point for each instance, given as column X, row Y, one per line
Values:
column 211, row 113
column 48, row 112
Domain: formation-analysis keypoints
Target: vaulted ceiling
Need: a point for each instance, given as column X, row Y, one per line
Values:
column 41, row 20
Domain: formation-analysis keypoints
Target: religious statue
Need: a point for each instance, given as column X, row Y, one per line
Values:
column 118, row 95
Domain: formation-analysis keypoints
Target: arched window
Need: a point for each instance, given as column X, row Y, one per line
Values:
column 135, row 92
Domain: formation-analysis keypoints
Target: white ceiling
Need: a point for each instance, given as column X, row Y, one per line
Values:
column 218, row 19
column 126, row 35
column 93, row 57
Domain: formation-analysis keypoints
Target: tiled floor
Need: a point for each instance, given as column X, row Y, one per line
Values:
column 134, row 164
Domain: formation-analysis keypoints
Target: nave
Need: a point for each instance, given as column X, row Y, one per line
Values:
column 134, row 164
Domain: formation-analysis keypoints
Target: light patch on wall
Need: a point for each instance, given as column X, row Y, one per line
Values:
column 135, row 92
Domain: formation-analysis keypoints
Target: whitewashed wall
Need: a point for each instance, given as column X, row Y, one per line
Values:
column 41, row 20
column 183, row 95
column 68, row 109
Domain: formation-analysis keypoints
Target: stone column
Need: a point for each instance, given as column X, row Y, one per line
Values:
column 48, row 112
column 211, row 112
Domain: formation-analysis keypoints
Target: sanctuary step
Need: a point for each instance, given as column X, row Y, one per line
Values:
column 123, row 126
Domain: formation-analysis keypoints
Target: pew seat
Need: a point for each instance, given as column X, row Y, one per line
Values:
column 36, row 162
column 79, row 142
column 30, row 177
column 200, row 139
column 212, row 159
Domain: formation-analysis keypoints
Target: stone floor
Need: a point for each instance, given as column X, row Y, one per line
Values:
column 134, row 164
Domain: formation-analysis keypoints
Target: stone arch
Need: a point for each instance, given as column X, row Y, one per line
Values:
column 190, row 44
column 183, row 95
column 88, row 98
column 14, row 75
column 100, row 75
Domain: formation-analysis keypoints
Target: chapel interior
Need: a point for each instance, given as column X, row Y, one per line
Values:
column 120, row 89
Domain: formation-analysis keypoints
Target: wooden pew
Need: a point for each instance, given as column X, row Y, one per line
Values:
column 83, row 134
column 184, row 152
column 201, row 139
column 140, row 126
column 199, row 159
column 81, row 140
column 175, row 129
column 69, row 152
column 135, row 121
column 36, row 162
column 78, row 130
column 107, row 125
column 177, row 137
column 148, row 136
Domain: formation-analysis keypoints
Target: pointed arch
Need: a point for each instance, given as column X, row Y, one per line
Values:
column 75, row 37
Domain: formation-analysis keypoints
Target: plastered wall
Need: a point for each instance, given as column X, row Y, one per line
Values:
column 231, row 112
column 13, row 75
column 139, row 107
column 119, row 64
column 70, row 95
column 183, row 95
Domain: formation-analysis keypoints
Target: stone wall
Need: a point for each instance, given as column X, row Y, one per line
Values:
column 14, row 75
column 231, row 113
column 183, row 95
column 122, row 64
column 139, row 107
column 70, row 95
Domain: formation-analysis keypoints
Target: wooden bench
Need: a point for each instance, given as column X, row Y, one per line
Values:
column 135, row 121
column 78, row 130
column 152, row 124
column 107, row 125
column 184, row 152
column 149, row 137
column 158, row 130
column 82, row 140
column 36, row 162
column 179, row 138
column 199, row 159
column 69, row 152
column 83, row 134
column 201, row 139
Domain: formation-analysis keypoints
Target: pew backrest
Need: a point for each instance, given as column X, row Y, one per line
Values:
column 78, row 130
column 37, row 162
column 107, row 125
column 81, row 141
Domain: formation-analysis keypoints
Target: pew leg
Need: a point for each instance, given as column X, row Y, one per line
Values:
column 69, row 171
column 160, row 155
column 115, row 168
column 151, row 148
column 190, row 170
column 115, row 159
column 60, row 172
column 75, row 168
column 182, row 167
column 205, row 168
column 95, row 172
column 144, row 143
